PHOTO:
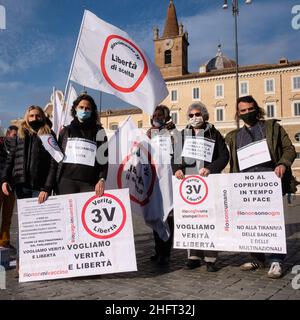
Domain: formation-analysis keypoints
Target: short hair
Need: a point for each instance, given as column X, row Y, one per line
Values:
column 165, row 110
column 87, row 97
column 201, row 107
column 249, row 99
column 11, row 128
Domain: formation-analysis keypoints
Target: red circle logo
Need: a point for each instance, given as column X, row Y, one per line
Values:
column 136, row 67
column 193, row 190
column 147, row 179
column 103, row 217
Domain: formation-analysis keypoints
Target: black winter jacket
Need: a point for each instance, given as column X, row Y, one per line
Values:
column 79, row 172
column 30, row 164
column 220, row 155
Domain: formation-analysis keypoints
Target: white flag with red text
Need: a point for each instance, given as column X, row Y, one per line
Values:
column 133, row 164
column 107, row 59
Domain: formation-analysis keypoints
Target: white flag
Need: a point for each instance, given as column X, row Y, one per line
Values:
column 107, row 59
column 133, row 165
column 52, row 147
column 57, row 113
column 66, row 116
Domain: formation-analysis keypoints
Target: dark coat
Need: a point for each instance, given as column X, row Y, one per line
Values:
column 92, row 132
column 220, row 155
column 30, row 164
column 280, row 146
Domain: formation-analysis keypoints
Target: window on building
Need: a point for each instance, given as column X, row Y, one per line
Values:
column 140, row 124
column 196, row 93
column 270, row 110
column 219, row 91
column 220, row 114
column 174, row 95
column 269, row 86
column 297, row 136
column 113, row 126
column 174, row 116
column 244, row 90
column 296, row 83
column 296, row 108
column 297, row 155
column 168, row 57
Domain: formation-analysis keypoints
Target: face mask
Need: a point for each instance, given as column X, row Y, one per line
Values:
column 196, row 122
column 158, row 123
column 83, row 115
column 250, row 118
column 36, row 124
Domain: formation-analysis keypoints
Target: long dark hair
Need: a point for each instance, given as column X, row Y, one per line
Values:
column 94, row 115
column 250, row 99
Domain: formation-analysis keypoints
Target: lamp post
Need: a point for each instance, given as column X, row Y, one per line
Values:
column 235, row 13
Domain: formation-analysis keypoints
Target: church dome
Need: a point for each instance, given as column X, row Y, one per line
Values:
column 219, row 62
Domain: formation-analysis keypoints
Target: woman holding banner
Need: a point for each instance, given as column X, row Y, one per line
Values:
column 198, row 126
column 84, row 144
column 163, row 126
column 29, row 164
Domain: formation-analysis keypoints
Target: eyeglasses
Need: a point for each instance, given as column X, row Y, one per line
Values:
column 198, row 114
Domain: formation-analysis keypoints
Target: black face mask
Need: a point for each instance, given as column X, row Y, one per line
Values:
column 250, row 118
column 36, row 124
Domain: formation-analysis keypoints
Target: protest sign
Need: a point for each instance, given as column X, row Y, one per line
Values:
column 229, row 212
column 76, row 235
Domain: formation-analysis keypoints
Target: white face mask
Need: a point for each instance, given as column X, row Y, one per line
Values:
column 196, row 122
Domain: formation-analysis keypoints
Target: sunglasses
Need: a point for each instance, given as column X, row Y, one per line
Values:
column 198, row 114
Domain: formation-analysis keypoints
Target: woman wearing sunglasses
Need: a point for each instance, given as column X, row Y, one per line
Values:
column 197, row 127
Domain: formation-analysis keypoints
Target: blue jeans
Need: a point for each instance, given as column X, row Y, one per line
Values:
column 24, row 192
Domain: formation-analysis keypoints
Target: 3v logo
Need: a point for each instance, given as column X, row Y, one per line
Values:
column 193, row 188
column 98, row 216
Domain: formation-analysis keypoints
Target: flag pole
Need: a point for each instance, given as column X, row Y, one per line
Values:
column 73, row 59
column 100, row 106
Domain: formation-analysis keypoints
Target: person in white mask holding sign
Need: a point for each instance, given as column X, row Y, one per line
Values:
column 29, row 164
column 261, row 145
column 203, row 152
column 164, row 131
column 84, row 143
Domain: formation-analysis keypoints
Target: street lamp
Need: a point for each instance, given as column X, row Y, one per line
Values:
column 235, row 13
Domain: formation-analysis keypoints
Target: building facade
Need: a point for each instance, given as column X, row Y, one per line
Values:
column 276, row 87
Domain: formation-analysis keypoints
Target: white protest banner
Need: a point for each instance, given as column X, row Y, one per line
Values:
column 107, row 59
column 66, row 116
column 133, row 164
column 76, row 235
column 80, row 151
column 52, row 147
column 253, row 154
column 57, row 113
column 198, row 148
column 229, row 212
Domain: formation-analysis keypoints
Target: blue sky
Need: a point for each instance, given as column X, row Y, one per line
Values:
column 37, row 46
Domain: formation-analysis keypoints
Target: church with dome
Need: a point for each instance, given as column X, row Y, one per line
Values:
column 275, row 86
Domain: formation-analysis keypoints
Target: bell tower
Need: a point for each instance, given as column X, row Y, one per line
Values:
column 171, row 50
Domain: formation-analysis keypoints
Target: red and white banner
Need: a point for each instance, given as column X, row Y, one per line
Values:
column 229, row 212
column 134, row 164
column 107, row 59
column 76, row 235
